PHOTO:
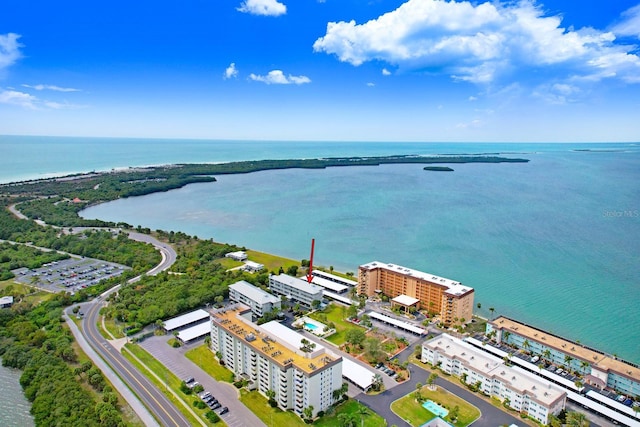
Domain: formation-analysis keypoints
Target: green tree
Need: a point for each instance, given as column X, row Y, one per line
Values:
column 576, row 419
column 432, row 380
column 315, row 304
column 308, row 412
column 292, row 270
column 453, row 414
column 373, row 350
column 355, row 336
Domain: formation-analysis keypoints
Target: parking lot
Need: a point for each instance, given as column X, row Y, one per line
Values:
column 69, row 275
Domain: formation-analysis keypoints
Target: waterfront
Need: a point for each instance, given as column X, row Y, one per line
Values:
column 14, row 407
column 553, row 242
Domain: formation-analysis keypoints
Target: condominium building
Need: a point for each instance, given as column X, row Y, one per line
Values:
column 599, row 369
column 295, row 289
column 450, row 299
column 259, row 301
column 525, row 392
column 271, row 357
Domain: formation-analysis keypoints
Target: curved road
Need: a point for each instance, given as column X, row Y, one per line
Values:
column 164, row 411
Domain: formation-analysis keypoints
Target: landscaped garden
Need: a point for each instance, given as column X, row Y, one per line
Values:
column 409, row 407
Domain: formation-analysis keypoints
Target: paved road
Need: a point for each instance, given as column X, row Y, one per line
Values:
column 168, row 253
column 164, row 411
column 174, row 359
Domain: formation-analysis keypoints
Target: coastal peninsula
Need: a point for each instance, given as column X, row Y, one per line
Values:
column 438, row 168
column 42, row 199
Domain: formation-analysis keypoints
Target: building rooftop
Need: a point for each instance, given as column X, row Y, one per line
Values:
column 328, row 284
column 185, row 319
column 301, row 285
column 272, row 341
column 491, row 366
column 593, row 357
column 194, row 332
column 335, row 278
column 254, row 293
column 455, row 288
column 395, row 322
column 357, row 373
column 405, row 300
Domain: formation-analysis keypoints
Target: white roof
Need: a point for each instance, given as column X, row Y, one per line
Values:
column 493, row 367
column 454, row 288
column 185, row 319
column 6, row 300
column 405, row 300
column 195, row 332
column 254, row 293
column 288, row 337
column 340, row 298
column 336, row 287
column 237, row 254
column 357, row 373
column 334, row 278
column 399, row 323
column 301, row 285
column 254, row 265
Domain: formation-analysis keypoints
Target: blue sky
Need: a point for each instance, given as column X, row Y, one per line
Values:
column 416, row 70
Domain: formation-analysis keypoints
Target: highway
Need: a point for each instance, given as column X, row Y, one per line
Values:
column 153, row 399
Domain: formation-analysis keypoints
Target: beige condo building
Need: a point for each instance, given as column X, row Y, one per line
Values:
column 450, row 299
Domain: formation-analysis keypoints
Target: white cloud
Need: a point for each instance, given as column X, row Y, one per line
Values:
column 277, row 77
column 263, row 7
column 472, row 98
column 9, row 49
column 558, row 93
column 472, row 124
column 630, row 23
column 22, row 99
column 370, row 84
column 52, row 87
column 231, row 71
column 480, row 42
column 386, row 72
column 62, row 105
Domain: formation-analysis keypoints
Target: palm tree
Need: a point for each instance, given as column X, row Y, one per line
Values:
column 526, row 344
column 584, row 365
column 567, row 360
column 546, row 354
column 577, row 419
column 431, row 380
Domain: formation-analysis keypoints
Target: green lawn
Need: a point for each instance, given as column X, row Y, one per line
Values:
column 336, row 314
column 167, row 380
column 205, row 359
column 229, row 263
column 271, row 262
column 258, row 404
column 371, row 419
column 409, row 409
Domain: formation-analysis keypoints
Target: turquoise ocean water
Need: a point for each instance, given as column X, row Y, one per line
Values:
column 554, row 242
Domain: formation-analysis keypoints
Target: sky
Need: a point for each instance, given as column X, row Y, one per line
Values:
column 322, row 70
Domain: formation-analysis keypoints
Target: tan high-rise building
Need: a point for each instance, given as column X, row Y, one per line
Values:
column 450, row 299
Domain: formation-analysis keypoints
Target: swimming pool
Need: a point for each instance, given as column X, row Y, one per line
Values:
column 310, row 326
column 435, row 409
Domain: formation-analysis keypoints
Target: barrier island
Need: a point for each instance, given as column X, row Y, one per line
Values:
column 57, row 201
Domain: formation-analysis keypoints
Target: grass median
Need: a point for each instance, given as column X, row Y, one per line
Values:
column 165, row 380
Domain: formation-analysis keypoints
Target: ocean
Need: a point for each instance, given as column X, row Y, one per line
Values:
column 554, row 242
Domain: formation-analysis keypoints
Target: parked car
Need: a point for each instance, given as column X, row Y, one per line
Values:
column 223, row 410
column 215, row 405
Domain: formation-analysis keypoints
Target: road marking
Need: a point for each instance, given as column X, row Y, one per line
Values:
column 129, row 372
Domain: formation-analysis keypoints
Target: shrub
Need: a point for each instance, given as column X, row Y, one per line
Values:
column 212, row 417
column 198, row 388
column 320, row 414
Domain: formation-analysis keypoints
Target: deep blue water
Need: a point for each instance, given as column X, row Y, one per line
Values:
column 554, row 242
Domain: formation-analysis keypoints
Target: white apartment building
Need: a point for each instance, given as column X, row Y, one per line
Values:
column 271, row 358
column 526, row 392
column 297, row 289
column 259, row 301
